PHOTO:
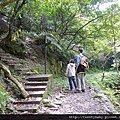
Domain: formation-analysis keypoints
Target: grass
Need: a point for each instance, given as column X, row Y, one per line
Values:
column 4, row 99
column 58, row 84
column 107, row 85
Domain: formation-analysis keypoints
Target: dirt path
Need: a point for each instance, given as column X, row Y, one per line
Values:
column 89, row 102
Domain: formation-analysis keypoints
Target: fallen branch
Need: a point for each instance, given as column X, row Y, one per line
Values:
column 7, row 74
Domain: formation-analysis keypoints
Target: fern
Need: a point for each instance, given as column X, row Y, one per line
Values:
column 4, row 99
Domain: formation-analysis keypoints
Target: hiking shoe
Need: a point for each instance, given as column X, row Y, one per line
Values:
column 83, row 90
column 77, row 91
column 71, row 91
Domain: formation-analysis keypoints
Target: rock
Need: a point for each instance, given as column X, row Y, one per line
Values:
column 117, row 104
column 58, row 102
column 47, row 101
column 61, row 95
column 48, row 111
column 51, row 105
column 56, row 108
column 58, row 97
column 108, row 110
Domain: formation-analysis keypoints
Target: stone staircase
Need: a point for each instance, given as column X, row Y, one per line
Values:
column 36, row 85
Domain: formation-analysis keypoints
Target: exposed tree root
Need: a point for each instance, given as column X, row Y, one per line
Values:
column 7, row 74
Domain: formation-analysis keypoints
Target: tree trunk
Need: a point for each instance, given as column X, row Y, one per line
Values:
column 18, row 6
column 14, row 80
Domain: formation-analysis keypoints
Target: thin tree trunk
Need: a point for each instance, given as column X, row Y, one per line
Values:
column 114, row 42
column 14, row 80
column 18, row 6
column 103, row 66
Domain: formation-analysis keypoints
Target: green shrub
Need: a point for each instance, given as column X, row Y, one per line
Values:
column 59, row 83
column 107, row 85
column 4, row 99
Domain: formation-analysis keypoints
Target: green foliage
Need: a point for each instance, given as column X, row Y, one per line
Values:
column 72, row 22
column 15, row 48
column 36, row 71
column 4, row 99
column 107, row 85
column 97, row 96
column 60, row 82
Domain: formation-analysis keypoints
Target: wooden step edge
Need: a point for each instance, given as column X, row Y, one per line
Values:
column 28, row 102
column 8, row 58
column 42, row 76
column 28, row 108
column 35, row 88
column 5, row 55
column 37, row 79
column 36, row 93
column 36, row 83
column 23, row 69
column 28, row 73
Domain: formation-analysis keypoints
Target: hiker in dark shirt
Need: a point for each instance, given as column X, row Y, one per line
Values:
column 80, row 72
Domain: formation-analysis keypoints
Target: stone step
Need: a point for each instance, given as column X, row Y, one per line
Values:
column 16, row 65
column 37, row 80
column 4, row 55
column 36, row 93
column 36, row 83
column 10, row 61
column 30, row 108
column 28, row 73
column 43, row 77
column 35, row 100
column 7, row 58
column 35, row 88
column 22, row 69
column 4, row 60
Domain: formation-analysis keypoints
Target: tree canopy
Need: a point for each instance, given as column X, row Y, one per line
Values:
column 73, row 23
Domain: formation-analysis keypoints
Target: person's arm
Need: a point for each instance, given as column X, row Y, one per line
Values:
column 76, row 69
column 66, row 73
column 77, row 62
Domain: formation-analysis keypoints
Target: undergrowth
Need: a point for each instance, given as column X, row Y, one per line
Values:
column 4, row 100
column 58, row 84
column 108, row 85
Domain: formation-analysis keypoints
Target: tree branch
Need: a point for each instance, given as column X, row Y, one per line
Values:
column 81, row 28
column 2, row 5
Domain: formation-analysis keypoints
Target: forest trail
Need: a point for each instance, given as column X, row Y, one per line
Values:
column 66, row 102
column 89, row 102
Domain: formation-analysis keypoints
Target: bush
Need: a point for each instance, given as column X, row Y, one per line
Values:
column 108, row 85
column 4, row 100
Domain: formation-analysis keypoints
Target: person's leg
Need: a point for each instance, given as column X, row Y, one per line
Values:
column 74, row 82
column 83, row 82
column 70, row 83
column 79, row 81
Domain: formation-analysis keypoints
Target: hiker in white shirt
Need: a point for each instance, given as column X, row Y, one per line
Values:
column 71, row 74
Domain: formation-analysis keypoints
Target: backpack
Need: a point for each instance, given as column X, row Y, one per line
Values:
column 84, row 63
